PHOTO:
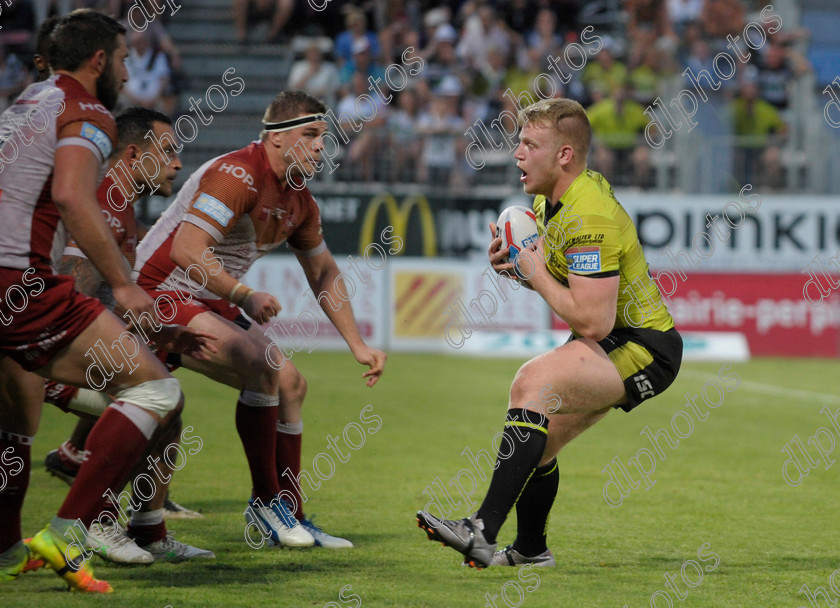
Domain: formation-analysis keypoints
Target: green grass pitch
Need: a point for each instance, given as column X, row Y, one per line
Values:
column 721, row 487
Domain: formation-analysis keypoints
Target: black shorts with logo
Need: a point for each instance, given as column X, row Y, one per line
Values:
column 648, row 360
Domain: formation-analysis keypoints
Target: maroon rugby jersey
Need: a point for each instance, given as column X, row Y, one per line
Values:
column 48, row 115
column 244, row 206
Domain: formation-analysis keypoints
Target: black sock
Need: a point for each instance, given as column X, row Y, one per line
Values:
column 520, row 451
column 532, row 510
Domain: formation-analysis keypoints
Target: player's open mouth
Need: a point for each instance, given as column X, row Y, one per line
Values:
column 523, row 177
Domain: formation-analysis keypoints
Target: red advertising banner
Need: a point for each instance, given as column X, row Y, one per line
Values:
column 771, row 310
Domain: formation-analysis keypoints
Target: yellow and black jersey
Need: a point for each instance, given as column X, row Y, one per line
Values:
column 588, row 233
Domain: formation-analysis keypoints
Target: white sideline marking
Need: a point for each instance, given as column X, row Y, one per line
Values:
column 772, row 389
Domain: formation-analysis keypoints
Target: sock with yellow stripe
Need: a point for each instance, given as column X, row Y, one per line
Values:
column 532, row 510
column 520, row 451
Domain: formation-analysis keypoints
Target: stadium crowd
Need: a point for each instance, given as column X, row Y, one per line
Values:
column 480, row 58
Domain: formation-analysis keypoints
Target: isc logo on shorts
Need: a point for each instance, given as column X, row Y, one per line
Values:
column 644, row 385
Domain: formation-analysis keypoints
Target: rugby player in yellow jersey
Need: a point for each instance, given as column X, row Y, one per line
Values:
column 589, row 267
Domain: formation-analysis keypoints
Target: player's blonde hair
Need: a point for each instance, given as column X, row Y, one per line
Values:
column 567, row 117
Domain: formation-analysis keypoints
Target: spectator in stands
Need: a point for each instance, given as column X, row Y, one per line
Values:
column 441, row 60
column 441, row 127
column 155, row 29
column 14, row 77
column 397, row 35
column 247, row 12
column 404, row 142
column 431, row 20
column 350, row 39
column 314, row 75
column 759, row 131
column 619, row 151
column 723, row 17
column 363, row 62
column 778, row 66
column 647, row 22
column 649, row 73
column 365, row 126
column 494, row 74
column 160, row 39
column 701, row 58
column 682, row 13
column 542, row 41
column 149, row 75
column 519, row 15
column 482, row 31
column 606, row 75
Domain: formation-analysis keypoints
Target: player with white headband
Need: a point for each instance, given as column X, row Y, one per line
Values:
column 233, row 210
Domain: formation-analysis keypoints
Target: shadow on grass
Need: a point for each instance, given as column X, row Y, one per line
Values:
column 209, row 574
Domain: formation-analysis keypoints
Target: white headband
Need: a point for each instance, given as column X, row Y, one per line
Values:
column 293, row 123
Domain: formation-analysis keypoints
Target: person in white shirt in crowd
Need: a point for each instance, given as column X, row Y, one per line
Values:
column 314, row 75
column 482, row 31
column 402, row 130
column 683, row 12
column 442, row 127
column 369, row 134
column 148, row 75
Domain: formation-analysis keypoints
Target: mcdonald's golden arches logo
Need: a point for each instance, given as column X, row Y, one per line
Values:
column 398, row 216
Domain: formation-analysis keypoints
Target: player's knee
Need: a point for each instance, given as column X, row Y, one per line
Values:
column 521, row 386
column 301, row 387
column 258, row 374
column 293, row 386
column 159, row 397
column 531, row 391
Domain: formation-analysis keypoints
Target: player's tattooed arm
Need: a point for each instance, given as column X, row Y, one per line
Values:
column 88, row 280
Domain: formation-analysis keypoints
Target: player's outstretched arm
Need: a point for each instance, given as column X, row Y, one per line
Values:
column 325, row 280
column 588, row 304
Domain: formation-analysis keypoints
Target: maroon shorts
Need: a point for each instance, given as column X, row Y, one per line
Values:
column 171, row 308
column 41, row 313
column 174, row 309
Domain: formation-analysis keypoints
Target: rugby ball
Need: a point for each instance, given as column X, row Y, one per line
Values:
column 517, row 226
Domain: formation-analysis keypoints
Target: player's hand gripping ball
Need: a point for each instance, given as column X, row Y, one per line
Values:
column 517, row 227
